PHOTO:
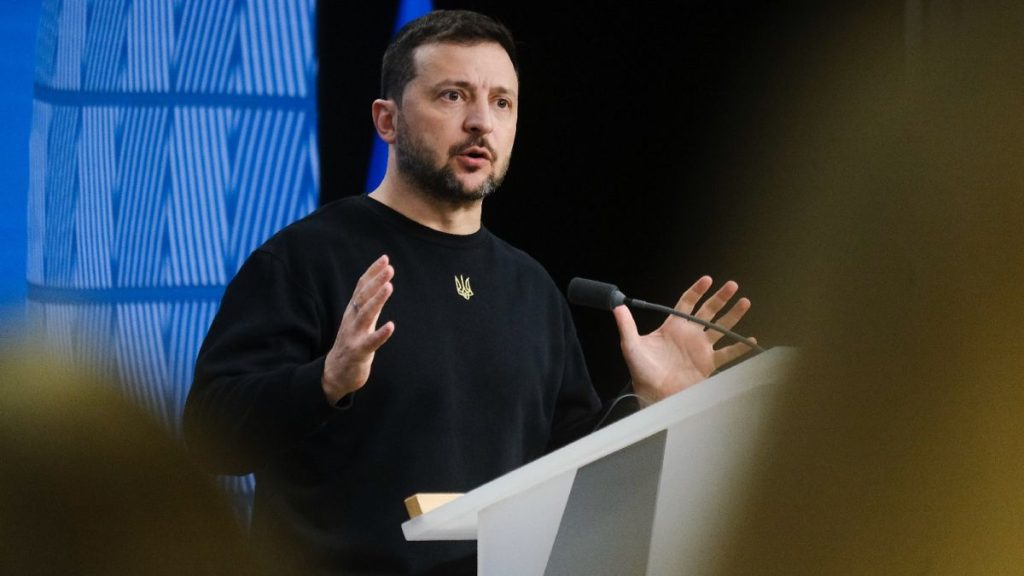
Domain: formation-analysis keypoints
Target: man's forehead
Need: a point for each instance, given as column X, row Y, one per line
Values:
column 465, row 62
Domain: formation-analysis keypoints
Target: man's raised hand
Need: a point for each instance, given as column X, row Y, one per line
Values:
column 347, row 366
column 681, row 353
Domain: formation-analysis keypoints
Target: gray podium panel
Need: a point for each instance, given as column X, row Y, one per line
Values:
column 613, row 502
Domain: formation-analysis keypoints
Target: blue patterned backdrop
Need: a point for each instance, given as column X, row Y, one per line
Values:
column 169, row 139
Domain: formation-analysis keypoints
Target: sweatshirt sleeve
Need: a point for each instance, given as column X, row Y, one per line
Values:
column 256, row 389
column 578, row 405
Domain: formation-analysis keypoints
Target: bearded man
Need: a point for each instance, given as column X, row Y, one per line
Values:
column 389, row 344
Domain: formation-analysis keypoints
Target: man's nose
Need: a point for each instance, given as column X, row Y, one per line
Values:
column 479, row 117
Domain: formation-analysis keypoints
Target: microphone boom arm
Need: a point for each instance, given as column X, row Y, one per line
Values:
column 604, row 296
column 635, row 303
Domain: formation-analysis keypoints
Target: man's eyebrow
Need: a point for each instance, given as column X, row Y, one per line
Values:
column 465, row 84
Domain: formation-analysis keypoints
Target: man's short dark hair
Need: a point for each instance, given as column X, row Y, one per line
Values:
column 452, row 26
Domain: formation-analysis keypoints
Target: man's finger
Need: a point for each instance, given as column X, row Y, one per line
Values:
column 373, row 270
column 731, row 352
column 693, row 294
column 628, row 332
column 368, row 287
column 379, row 337
column 371, row 276
column 713, row 305
column 731, row 317
column 370, row 311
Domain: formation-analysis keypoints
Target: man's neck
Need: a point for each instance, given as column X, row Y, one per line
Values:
column 431, row 212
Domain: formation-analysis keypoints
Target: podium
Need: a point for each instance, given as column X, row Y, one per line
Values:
column 650, row 495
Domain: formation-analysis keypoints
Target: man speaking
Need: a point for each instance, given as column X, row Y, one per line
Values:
column 389, row 344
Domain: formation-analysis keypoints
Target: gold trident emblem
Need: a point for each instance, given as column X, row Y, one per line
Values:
column 463, row 288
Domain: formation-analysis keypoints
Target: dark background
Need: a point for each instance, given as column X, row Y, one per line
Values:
column 646, row 135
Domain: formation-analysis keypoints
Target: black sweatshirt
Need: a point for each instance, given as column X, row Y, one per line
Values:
column 465, row 390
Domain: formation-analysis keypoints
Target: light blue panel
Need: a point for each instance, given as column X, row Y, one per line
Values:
column 169, row 139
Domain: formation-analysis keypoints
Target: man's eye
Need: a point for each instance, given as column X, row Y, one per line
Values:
column 451, row 95
column 504, row 103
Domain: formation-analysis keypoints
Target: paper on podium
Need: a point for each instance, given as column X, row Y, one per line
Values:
column 420, row 504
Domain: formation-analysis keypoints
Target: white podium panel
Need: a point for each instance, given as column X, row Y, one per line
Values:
column 647, row 495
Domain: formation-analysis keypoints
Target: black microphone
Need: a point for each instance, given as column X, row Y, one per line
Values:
column 604, row 296
column 595, row 294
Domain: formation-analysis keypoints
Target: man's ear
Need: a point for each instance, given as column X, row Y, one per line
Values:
column 384, row 119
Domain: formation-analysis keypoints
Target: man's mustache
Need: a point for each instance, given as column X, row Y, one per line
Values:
column 474, row 142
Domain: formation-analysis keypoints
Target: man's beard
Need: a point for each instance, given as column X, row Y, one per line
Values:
column 416, row 162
